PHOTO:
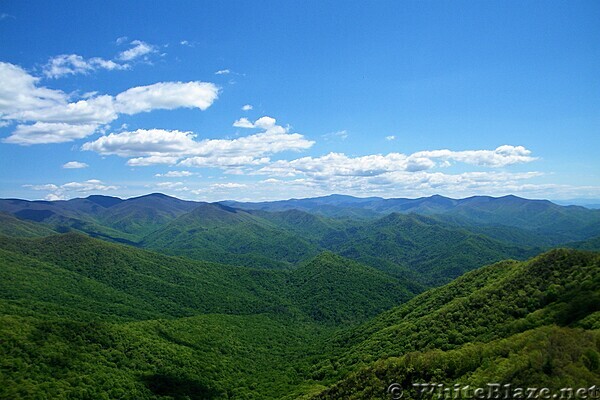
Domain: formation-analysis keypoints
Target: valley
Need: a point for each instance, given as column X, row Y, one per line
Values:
column 325, row 298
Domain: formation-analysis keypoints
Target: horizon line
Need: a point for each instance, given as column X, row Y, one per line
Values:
column 558, row 202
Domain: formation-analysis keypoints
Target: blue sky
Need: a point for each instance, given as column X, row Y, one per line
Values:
column 272, row 100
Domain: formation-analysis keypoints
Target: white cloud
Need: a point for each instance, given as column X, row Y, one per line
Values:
column 97, row 110
column 54, row 197
column 56, row 119
column 266, row 123
column 229, row 185
column 402, row 184
column 157, row 146
column 271, row 180
column 500, row 157
column 414, row 164
column 167, row 96
column 88, row 186
column 169, row 185
column 338, row 164
column 399, row 175
column 139, row 49
column 151, row 160
column 61, row 192
column 223, row 162
column 243, row 123
column 72, row 64
column 75, row 165
column 142, row 142
column 48, row 186
column 342, row 135
column 391, row 137
column 175, row 174
column 219, row 188
column 247, row 107
column 19, row 91
column 49, row 132
column 223, row 72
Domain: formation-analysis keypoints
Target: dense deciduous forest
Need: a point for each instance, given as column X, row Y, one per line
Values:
column 326, row 298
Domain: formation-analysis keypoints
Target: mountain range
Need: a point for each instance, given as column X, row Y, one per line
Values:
column 326, row 298
column 393, row 235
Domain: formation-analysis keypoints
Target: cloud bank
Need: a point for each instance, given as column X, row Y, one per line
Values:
column 146, row 147
column 46, row 115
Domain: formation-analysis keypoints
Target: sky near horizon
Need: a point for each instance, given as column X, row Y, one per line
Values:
column 272, row 100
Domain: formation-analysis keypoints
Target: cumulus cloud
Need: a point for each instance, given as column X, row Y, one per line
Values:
column 175, row 174
column 339, row 164
column 88, row 186
column 402, row 184
column 271, row 181
column 169, row 185
column 54, row 197
column 224, row 162
column 19, row 91
column 142, row 142
column 391, row 137
column 60, row 192
column 53, row 118
column 223, row 72
column 243, row 123
column 399, row 175
column 228, row 185
column 218, row 189
column 151, row 160
column 75, row 165
column 500, row 157
column 157, row 146
column 265, row 122
column 49, row 132
column 72, row 64
column 94, row 110
column 139, row 49
column 167, row 96
column 47, row 186
column 247, row 107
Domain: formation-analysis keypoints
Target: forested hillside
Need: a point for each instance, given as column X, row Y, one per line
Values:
column 428, row 241
column 175, row 300
column 512, row 322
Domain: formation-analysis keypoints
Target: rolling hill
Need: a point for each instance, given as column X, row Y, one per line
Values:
column 335, row 290
column 428, row 241
column 105, row 217
column 433, row 251
column 512, row 322
column 12, row 226
column 219, row 233
column 86, row 318
column 554, row 222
